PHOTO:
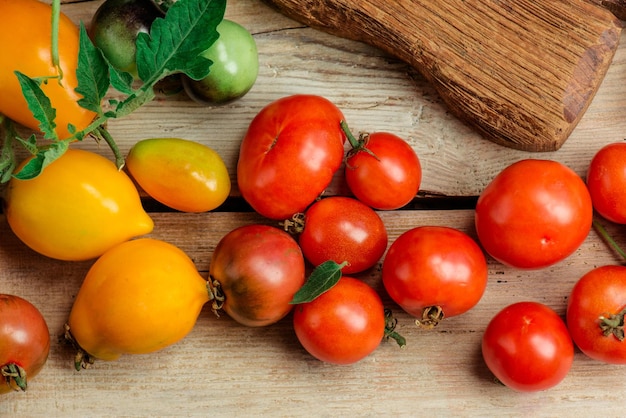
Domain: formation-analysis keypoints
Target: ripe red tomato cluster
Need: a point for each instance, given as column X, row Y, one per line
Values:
column 289, row 155
column 534, row 214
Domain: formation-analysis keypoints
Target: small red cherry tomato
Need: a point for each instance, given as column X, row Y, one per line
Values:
column 595, row 314
column 343, row 229
column 343, row 325
column 434, row 272
column 385, row 173
column 527, row 347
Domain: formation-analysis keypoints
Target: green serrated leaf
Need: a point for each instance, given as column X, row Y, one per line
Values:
column 43, row 158
column 121, row 81
column 323, row 278
column 30, row 144
column 39, row 105
column 91, row 73
column 176, row 41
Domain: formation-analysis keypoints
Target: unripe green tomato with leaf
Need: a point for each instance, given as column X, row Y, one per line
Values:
column 234, row 70
column 115, row 26
column 184, row 175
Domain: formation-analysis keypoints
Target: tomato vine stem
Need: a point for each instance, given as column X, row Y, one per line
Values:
column 390, row 329
column 607, row 237
column 56, row 15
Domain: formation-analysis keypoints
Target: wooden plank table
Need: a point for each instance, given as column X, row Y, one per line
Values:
column 224, row 369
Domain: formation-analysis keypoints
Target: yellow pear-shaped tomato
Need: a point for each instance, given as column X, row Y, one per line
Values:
column 138, row 297
column 77, row 208
column 184, row 175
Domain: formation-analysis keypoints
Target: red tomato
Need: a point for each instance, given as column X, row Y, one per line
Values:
column 434, row 272
column 388, row 176
column 595, row 314
column 343, row 325
column 606, row 180
column 343, row 229
column 527, row 347
column 533, row 214
column 289, row 155
column 24, row 342
column 255, row 271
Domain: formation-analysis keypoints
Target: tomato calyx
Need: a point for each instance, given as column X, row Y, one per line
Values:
column 216, row 295
column 431, row 316
column 613, row 324
column 390, row 329
column 14, row 376
column 295, row 225
column 82, row 359
column 358, row 145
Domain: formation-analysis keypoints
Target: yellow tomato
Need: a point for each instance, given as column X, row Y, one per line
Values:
column 77, row 208
column 25, row 46
column 138, row 297
column 184, row 175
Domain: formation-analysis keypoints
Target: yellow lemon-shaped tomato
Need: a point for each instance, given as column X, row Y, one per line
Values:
column 77, row 208
column 138, row 297
column 181, row 174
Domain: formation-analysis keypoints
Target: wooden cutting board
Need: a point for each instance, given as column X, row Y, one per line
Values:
column 521, row 72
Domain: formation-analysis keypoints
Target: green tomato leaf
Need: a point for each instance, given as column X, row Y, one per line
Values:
column 176, row 41
column 121, row 80
column 92, row 74
column 39, row 104
column 323, row 278
column 43, row 158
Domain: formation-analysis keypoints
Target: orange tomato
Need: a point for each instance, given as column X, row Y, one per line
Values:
column 25, row 46
column 138, row 297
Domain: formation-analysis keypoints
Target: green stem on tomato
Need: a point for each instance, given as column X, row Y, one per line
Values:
column 15, row 376
column 56, row 16
column 119, row 158
column 605, row 235
column 356, row 144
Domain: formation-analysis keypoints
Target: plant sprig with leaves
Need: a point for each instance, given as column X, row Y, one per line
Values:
column 173, row 46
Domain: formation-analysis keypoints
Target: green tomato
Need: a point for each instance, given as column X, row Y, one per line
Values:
column 115, row 26
column 234, row 69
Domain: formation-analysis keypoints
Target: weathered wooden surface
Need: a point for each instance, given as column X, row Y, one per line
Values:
column 521, row 73
column 224, row 369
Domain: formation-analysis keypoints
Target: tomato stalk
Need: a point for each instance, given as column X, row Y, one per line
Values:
column 613, row 324
column 295, row 225
column 14, row 376
column 216, row 295
column 431, row 316
column 82, row 359
column 358, row 145
column 56, row 15
column 390, row 329
column 607, row 237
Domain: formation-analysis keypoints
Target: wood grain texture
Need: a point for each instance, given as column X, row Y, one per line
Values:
column 376, row 92
column 223, row 369
column 523, row 73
